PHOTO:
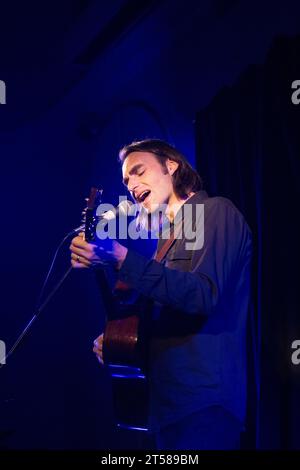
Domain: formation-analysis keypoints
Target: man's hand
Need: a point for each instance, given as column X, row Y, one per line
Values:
column 98, row 348
column 86, row 255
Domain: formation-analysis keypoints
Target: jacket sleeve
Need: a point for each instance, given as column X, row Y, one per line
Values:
column 227, row 246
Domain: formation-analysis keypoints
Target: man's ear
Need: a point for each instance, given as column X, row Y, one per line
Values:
column 171, row 166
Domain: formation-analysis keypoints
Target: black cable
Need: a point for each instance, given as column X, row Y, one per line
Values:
column 73, row 232
column 40, row 309
column 40, row 306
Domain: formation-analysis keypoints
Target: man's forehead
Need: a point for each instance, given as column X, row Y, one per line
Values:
column 137, row 158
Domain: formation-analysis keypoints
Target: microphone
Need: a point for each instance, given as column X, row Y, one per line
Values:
column 125, row 208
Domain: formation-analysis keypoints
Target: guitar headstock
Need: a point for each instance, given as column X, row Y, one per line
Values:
column 90, row 219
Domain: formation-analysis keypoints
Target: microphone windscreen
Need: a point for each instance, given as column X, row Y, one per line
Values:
column 125, row 207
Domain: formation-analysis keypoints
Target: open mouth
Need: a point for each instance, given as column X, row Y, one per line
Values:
column 143, row 196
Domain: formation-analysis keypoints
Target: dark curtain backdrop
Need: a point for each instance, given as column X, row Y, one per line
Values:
column 248, row 149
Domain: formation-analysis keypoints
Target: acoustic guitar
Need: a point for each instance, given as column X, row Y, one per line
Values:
column 125, row 338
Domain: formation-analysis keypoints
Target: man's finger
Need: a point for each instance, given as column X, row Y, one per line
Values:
column 75, row 249
column 79, row 242
column 80, row 259
column 82, row 253
column 98, row 347
column 75, row 264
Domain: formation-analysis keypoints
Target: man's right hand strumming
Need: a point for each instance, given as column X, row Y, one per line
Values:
column 98, row 349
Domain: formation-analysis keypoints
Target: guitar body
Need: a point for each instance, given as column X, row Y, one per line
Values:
column 121, row 353
column 120, row 345
column 124, row 346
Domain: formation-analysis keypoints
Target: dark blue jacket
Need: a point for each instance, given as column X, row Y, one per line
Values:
column 198, row 344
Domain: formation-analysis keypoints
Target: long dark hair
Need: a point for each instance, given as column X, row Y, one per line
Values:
column 185, row 178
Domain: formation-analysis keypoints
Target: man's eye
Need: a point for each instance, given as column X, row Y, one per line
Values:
column 141, row 173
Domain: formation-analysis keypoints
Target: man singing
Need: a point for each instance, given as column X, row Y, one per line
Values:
column 200, row 293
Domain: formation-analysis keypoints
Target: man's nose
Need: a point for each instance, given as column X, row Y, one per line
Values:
column 132, row 185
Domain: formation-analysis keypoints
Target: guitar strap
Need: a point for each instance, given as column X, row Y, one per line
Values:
column 164, row 249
